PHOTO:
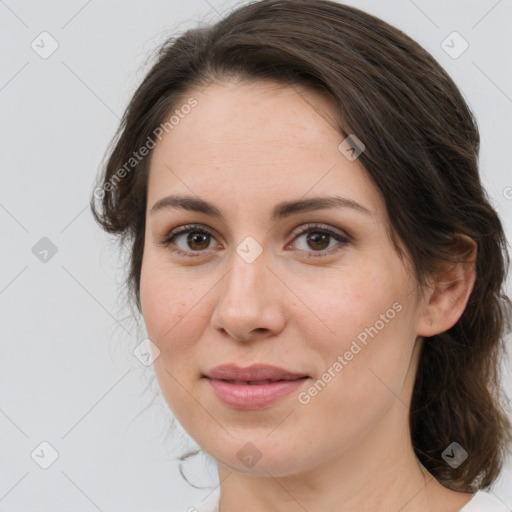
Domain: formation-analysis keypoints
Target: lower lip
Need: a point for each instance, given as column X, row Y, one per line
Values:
column 254, row 396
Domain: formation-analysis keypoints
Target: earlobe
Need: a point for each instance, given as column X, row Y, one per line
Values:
column 449, row 293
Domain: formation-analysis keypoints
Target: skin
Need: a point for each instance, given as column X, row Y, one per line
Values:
column 246, row 147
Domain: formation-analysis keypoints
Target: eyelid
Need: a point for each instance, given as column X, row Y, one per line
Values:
column 321, row 227
column 200, row 228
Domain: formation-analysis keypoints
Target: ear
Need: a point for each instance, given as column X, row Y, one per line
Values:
column 446, row 298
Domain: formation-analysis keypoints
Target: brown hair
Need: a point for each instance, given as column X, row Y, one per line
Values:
column 410, row 115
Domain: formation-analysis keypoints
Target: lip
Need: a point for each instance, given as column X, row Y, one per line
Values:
column 254, row 372
column 253, row 387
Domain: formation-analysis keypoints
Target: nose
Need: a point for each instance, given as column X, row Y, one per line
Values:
column 250, row 301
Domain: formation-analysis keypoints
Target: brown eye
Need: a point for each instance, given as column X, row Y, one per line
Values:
column 317, row 240
column 198, row 240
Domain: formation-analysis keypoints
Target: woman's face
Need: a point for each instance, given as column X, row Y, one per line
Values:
column 317, row 291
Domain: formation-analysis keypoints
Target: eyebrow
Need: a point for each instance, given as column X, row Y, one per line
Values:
column 280, row 211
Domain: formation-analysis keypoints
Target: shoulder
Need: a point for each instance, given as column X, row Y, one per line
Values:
column 483, row 501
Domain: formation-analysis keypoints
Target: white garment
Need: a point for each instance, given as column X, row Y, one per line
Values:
column 485, row 502
column 210, row 504
column 481, row 502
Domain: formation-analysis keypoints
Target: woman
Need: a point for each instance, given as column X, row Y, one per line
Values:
column 319, row 269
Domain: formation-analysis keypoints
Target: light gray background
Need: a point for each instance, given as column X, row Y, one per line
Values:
column 68, row 375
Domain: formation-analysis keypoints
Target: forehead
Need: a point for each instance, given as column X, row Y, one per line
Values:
column 257, row 139
column 267, row 112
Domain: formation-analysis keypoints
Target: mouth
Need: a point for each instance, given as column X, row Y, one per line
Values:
column 254, row 373
column 255, row 387
column 258, row 382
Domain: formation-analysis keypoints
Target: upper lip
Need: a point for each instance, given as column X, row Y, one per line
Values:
column 254, row 372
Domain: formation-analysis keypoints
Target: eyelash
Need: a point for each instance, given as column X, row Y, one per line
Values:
column 195, row 228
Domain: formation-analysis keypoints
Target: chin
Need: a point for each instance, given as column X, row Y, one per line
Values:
column 257, row 457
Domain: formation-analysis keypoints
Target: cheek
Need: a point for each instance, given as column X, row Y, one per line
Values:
column 171, row 306
column 349, row 302
column 367, row 356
